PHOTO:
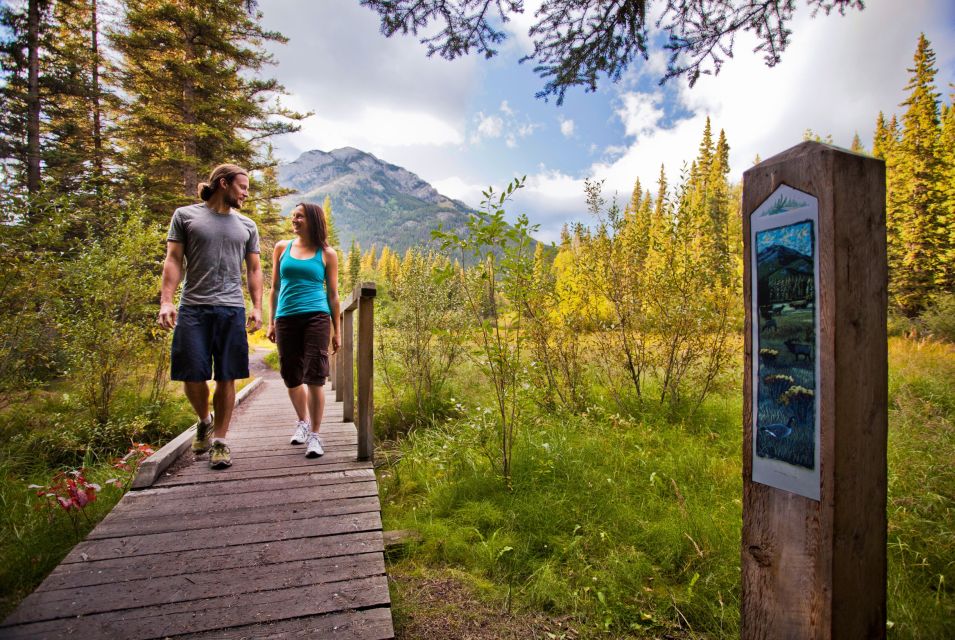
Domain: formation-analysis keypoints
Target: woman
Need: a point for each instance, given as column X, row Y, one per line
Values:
column 304, row 295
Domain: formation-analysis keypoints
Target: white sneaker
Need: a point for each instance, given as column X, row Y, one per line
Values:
column 313, row 447
column 302, row 429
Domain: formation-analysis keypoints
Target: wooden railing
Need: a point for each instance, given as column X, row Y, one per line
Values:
column 343, row 366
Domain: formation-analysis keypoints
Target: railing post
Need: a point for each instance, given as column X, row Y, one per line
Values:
column 366, row 405
column 339, row 366
column 348, row 364
column 332, row 369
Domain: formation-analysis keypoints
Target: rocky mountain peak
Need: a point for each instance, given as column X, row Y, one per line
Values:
column 373, row 201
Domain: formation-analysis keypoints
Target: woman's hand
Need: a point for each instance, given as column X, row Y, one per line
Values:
column 270, row 332
column 336, row 344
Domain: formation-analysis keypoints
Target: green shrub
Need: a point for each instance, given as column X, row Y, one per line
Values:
column 898, row 325
column 939, row 320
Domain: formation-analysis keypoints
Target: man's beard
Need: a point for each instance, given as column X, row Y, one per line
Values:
column 232, row 201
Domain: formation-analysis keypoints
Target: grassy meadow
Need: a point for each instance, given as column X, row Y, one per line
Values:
column 627, row 523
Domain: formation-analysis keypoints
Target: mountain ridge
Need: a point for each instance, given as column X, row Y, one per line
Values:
column 373, row 201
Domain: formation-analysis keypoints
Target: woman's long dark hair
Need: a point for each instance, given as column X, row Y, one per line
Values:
column 317, row 229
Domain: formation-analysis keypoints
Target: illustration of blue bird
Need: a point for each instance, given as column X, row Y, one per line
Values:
column 778, row 430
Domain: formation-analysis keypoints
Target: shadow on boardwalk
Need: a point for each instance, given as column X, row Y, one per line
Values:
column 277, row 545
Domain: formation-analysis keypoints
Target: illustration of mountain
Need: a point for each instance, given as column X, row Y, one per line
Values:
column 779, row 257
column 373, row 201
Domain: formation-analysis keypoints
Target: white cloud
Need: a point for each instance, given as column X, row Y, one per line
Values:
column 376, row 128
column 640, row 113
column 551, row 198
column 362, row 86
column 517, row 27
column 459, row 189
column 489, row 126
column 507, row 125
column 566, row 127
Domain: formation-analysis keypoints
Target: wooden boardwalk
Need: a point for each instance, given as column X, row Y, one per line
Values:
column 276, row 546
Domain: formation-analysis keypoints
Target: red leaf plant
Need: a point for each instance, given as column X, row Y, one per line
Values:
column 130, row 463
column 71, row 491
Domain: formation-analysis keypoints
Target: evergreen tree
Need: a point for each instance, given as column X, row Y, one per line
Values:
column 263, row 207
column 368, row 261
column 386, row 265
column 354, row 265
column 24, row 31
column 882, row 139
column 856, row 146
column 193, row 99
column 333, row 240
column 78, row 149
column 918, row 209
column 947, row 144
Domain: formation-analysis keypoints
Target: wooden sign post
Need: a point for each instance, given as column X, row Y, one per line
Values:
column 815, row 396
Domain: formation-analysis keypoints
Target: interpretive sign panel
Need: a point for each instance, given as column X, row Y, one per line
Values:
column 813, row 553
column 784, row 307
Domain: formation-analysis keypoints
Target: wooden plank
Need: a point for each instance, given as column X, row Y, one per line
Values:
column 264, row 511
column 289, row 460
column 281, row 447
column 119, row 570
column 244, row 474
column 366, row 624
column 227, row 501
column 213, row 613
column 239, row 534
column 312, row 478
column 151, row 591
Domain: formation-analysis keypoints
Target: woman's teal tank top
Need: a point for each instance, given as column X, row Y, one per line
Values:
column 301, row 284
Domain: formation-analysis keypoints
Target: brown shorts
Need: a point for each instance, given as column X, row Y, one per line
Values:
column 303, row 348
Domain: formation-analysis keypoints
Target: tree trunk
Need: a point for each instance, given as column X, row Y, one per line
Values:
column 190, row 174
column 33, row 99
column 97, row 107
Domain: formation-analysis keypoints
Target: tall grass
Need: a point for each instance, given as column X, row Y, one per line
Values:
column 921, row 508
column 631, row 522
column 628, row 524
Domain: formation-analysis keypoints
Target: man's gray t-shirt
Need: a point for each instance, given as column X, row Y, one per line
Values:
column 214, row 245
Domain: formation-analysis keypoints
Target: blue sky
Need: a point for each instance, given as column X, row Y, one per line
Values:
column 472, row 123
column 795, row 236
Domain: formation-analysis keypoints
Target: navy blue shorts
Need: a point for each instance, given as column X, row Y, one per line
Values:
column 207, row 334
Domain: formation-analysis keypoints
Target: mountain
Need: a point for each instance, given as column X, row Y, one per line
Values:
column 373, row 202
column 776, row 257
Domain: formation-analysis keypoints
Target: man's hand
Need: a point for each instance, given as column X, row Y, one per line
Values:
column 254, row 322
column 336, row 344
column 167, row 315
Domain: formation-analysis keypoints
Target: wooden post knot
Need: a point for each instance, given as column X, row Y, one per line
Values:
column 762, row 556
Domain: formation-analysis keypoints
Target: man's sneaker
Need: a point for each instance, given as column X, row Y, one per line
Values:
column 302, row 429
column 313, row 447
column 219, row 456
column 202, row 441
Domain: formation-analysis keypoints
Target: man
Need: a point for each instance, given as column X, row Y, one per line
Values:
column 210, row 326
